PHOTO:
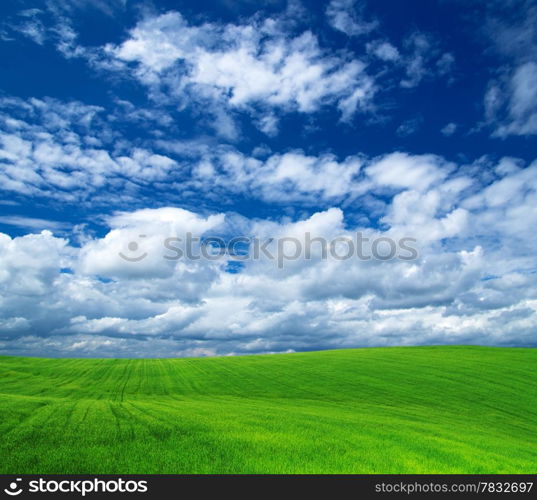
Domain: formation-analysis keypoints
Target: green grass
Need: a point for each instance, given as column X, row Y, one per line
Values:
column 386, row 410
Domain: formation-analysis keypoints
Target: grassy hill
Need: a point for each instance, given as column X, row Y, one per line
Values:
column 386, row 410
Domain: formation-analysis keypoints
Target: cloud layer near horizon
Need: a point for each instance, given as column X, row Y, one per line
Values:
column 469, row 285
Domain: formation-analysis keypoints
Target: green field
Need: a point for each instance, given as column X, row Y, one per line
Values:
column 385, row 410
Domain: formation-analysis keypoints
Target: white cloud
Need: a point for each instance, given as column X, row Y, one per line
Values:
column 474, row 282
column 510, row 99
column 108, row 7
column 346, row 16
column 281, row 177
column 268, row 124
column 69, row 152
column 62, row 150
column 206, row 63
column 409, row 127
column 449, row 129
column 384, row 51
column 423, row 60
column 445, row 63
column 148, row 229
column 522, row 106
column 32, row 222
column 400, row 170
column 26, row 23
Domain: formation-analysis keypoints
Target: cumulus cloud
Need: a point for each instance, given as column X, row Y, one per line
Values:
column 68, row 151
column 62, row 150
column 281, row 177
column 400, row 170
column 474, row 281
column 205, row 64
column 124, row 286
column 200, row 66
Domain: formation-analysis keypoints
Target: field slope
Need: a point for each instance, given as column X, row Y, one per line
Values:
column 386, row 410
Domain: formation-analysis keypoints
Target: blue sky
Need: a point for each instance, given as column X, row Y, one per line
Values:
column 393, row 119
